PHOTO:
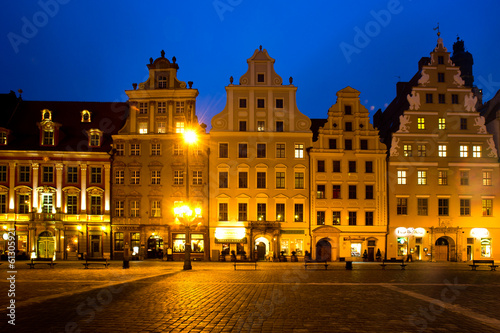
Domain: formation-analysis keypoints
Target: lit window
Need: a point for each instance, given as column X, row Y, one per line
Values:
column 155, row 208
column 280, row 180
column 476, row 151
column 320, row 217
column 179, row 127
column 421, row 150
column 95, row 139
column 143, row 127
column 119, row 209
column 487, row 207
column 402, row 177
column 442, row 177
column 442, row 123
column 407, row 150
column 464, row 151
column 280, row 212
column 320, row 191
column 422, row 177
column 299, row 150
column 161, row 127
column 3, row 138
column 299, row 180
column 487, row 178
column 299, row 213
column 421, row 123
column 402, row 206
column 85, row 116
column 336, row 218
column 24, row 204
column 134, row 208
column 442, row 150
column 261, row 211
column 162, row 107
column 261, row 126
column 95, row 205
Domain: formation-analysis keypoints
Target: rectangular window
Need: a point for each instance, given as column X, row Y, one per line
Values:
column 120, row 149
column 402, row 206
column 161, row 127
column 347, row 109
column 363, row 144
column 464, row 207
column 421, row 151
column 443, row 207
column 369, row 192
column 48, row 138
column 155, row 177
column 95, row 175
column 178, row 177
column 223, row 212
column 261, row 150
column 422, row 177
column 261, row 103
column 3, row 138
column 223, row 150
column 135, row 149
column 243, row 103
column 143, row 108
column 179, row 107
column 143, row 127
column 336, row 218
column 299, row 150
column 320, row 217
column 440, row 77
column 179, row 127
column 421, row 123
column 243, row 126
column 336, row 166
column 24, row 173
column 442, row 123
column 197, row 178
column 440, row 60
column 407, row 150
column 261, row 126
column 422, row 206
column 428, row 98
column 279, row 126
column 332, row 143
column 243, row 179
column 441, row 99
column 320, row 191
column 487, row 207
column 442, row 177
column 261, row 180
column 368, row 167
column 155, row 208
column 134, row 208
column 95, row 205
column 24, row 204
column 336, row 194
column 476, row 151
column 279, row 103
column 348, row 144
column 242, row 150
column 352, row 166
column 261, row 211
column 135, row 177
column 402, row 177
column 223, row 179
column 352, row 192
column 47, row 174
column 463, row 123
column 454, row 99
column 299, row 213
column 368, row 218
column 119, row 241
column 348, row 126
column 3, row 203
column 299, row 180
column 442, row 150
column 280, row 150
column 280, row 212
column 135, row 240
column 321, row 165
column 119, row 208
column 464, row 178
column 353, row 216
column 487, row 178
column 155, row 149
column 95, row 139
column 260, row 77
column 280, row 180
column 242, row 211
column 464, row 151
column 119, row 177
column 162, row 107
column 178, row 149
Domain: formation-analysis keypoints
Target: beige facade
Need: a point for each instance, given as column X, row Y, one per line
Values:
column 348, row 190
column 259, row 167
column 155, row 170
column 443, row 172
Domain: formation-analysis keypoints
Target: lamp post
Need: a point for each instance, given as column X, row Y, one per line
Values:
column 184, row 216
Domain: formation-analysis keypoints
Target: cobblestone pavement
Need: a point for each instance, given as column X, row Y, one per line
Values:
column 155, row 296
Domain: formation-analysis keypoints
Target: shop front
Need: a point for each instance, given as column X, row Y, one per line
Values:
column 228, row 240
column 198, row 237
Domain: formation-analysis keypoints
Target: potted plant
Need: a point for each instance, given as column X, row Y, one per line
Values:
column 365, row 256
column 294, row 258
column 282, row 256
column 233, row 256
column 378, row 256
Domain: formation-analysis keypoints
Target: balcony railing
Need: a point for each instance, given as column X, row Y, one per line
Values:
column 47, row 216
column 265, row 224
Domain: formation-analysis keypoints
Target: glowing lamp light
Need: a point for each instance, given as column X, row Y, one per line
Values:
column 136, row 250
column 479, row 232
column 103, row 228
column 401, row 232
column 230, row 233
column 419, row 232
column 79, row 227
column 190, row 136
column 33, row 255
column 197, row 211
column 5, row 227
column 5, row 236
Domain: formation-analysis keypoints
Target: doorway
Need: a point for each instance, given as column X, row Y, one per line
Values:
column 155, row 247
column 95, row 246
column 46, row 245
column 261, row 251
column 371, row 253
column 323, row 250
column 442, row 249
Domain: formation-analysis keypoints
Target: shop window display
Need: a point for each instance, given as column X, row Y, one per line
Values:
column 485, row 248
column 179, row 243
column 197, row 243
column 355, row 249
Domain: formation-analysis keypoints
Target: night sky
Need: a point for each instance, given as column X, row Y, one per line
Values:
column 94, row 50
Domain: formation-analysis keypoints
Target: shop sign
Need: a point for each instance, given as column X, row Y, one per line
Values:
column 230, row 233
column 405, row 232
column 479, row 232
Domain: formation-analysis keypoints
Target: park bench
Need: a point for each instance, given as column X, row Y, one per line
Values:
column 245, row 263
column 478, row 263
column 393, row 261
column 38, row 261
column 96, row 261
column 315, row 263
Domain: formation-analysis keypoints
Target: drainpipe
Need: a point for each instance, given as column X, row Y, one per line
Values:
column 308, row 150
column 111, row 153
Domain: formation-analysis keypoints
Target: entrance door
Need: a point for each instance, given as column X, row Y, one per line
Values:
column 371, row 254
column 95, row 246
column 46, row 245
column 324, row 250
column 155, row 247
column 417, row 252
column 441, row 249
column 261, row 251
column 469, row 252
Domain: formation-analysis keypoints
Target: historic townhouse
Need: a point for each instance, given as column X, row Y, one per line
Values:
column 55, row 176
column 348, row 184
column 155, row 170
column 259, row 167
column 443, row 166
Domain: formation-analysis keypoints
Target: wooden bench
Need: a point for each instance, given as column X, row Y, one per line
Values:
column 245, row 263
column 478, row 263
column 38, row 261
column 316, row 264
column 386, row 262
column 97, row 261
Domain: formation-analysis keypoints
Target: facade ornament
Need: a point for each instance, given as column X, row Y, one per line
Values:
column 491, row 146
column 424, row 79
column 290, row 80
column 404, row 120
column 479, row 121
column 231, row 79
column 458, row 79
column 470, row 102
column 394, row 146
column 414, row 100
column 162, row 54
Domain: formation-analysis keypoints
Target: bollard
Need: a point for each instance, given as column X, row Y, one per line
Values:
column 348, row 265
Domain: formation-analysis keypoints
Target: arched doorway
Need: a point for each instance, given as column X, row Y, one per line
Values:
column 155, row 247
column 324, row 250
column 443, row 248
column 45, row 245
column 262, row 248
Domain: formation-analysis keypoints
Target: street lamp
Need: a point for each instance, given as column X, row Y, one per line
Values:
column 184, row 216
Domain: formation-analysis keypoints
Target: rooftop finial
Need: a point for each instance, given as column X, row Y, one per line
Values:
column 437, row 28
column 162, row 54
column 260, row 48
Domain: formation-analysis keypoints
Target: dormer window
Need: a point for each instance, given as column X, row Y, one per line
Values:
column 3, row 138
column 85, row 116
column 46, row 114
column 95, row 138
column 48, row 138
column 162, row 82
column 260, row 78
column 347, row 109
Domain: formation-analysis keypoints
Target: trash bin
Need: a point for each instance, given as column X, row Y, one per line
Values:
column 348, row 265
column 126, row 264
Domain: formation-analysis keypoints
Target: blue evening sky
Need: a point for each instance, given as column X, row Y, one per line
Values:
column 94, row 50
